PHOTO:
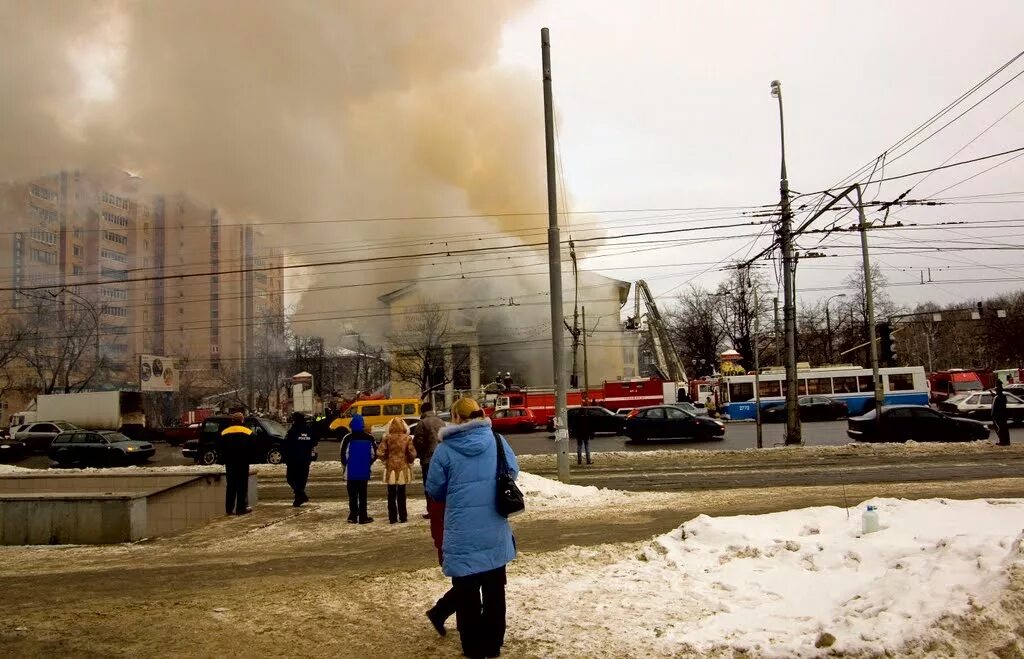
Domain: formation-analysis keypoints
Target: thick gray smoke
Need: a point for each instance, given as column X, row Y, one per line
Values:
column 278, row 112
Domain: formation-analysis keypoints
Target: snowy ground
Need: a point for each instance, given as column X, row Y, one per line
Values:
column 941, row 578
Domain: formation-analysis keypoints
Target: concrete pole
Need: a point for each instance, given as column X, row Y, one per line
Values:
column 757, row 369
column 869, row 301
column 778, row 334
column 793, row 431
column 555, row 268
column 586, row 369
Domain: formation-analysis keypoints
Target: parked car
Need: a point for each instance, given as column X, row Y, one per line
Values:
column 514, row 419
column 378, row 431
column 810, row 408
column 11, row 449
column 945, row 384
column 265, row 446
column 979, row 406
column 671, row 422
column 624, row 411
column 104, row 447
column 601, row 420
column 900, row 423
column 38, row 436
column 692, row 409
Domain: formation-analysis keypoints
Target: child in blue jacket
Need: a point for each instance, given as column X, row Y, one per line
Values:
column 358, row 453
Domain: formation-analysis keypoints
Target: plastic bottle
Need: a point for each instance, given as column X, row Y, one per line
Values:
column 870, row 520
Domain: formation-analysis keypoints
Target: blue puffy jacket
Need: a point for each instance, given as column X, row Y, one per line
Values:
column 357, row 455
column 463, row 474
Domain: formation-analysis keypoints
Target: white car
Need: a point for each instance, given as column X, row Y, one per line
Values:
column 978, row 405
column 378, row 431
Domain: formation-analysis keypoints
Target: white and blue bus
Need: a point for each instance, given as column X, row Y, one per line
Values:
column 852, row 385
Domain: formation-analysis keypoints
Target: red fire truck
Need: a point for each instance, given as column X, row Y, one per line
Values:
column 612, row 395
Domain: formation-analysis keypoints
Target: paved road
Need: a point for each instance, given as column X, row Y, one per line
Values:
column 738, row 436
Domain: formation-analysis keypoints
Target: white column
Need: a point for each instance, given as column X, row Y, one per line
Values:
column 449, row 376
column 474, row 369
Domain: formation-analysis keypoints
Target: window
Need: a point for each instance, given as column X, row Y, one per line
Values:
column 845, row 385
column 114, row 256
column 898, row 413
column 42, row 214
column 110, row 273
column 145, row 226
column 108, row 310
column 76, row 250
column 923, row 413
column 409, row 409
column 656, row 413
column 739, row 392
column 819, row 386
column 115, row 237
column 43, row 193
column 62, row 439
column 112, row 293
column 77, row 270
column 986, row 399
column 119, row 220
column 79, row 233
column 371, row 410
column 676, row 413
column 770, row 389
column 40, row 256
column 392, row 410
column 114, row 200
column 900, row 381
column 42, row 236
column 864, row 383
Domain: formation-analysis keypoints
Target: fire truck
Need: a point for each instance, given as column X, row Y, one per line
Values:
column 612, row 395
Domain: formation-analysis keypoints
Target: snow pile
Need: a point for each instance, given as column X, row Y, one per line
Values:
column 542, row 492
column 778, row 584
column 11, row 469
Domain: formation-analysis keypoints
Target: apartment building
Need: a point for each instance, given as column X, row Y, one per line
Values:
column 155, row 273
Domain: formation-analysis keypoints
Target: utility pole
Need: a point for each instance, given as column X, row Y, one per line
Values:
column 778, row 334
column 870, row 303
column 793, row 433
column 554, row 268
column 586, row 369
column 757, row 367
column 575, row 329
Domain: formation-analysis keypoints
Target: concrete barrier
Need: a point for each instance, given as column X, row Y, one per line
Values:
column 108, row 507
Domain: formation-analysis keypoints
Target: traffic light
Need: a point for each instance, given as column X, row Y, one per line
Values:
column 885, row 355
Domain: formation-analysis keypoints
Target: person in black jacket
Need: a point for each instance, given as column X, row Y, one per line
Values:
column 999, row 416
column 234, row 445
column 299, row 446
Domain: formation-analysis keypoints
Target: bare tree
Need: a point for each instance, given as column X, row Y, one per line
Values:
column 59, row 344
column 418, row 350
column 736, row 312
column 695, row 331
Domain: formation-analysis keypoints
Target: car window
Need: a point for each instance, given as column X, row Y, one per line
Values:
column 42, row 427
column 409, row 408
column 676, row 413
column 113, row 437
column 500, row 414
column 371, row 410
column 985, row 399
column 393, row 409
column 67, row 426
column 656, row 413
column 900, row 381
column 62, row 439
column 1013, row 400
column 924, row 413
column 82, row 438
column 898, row 413
column 211, row 426
column 970, row 400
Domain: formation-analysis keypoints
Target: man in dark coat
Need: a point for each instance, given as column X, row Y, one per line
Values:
column 999, row 416
column 234, row 445
column 424, row 440
column 582, row 430
column 299, row 446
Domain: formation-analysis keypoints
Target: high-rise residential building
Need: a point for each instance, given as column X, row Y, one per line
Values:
column 141, row 271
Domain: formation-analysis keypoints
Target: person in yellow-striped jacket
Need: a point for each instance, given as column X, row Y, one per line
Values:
column 234, row 446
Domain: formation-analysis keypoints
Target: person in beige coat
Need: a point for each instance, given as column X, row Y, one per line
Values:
column 397, row 453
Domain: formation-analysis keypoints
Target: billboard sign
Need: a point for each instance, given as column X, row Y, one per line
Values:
column 157, row 373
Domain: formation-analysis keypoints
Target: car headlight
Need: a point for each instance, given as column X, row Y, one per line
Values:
column 131, row 448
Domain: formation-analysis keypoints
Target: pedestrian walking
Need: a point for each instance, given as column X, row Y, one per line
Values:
column 397, row 454
column 357, row 456
column 999, row 416
column 582, row 430
column 445, row 607
column 478, row 542
column 299, row 450
column 424, row 440
column 710, row 406
column 234, row 445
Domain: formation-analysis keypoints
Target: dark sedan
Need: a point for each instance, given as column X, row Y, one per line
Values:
column 598, row 419
column 671, row 422
column 811, row 408
column 104, row 447
column 900, row 423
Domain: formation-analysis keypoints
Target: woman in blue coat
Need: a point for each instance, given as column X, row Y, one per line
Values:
column 478, row 541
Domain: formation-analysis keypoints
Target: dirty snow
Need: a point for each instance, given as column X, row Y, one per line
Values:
column 774, row 584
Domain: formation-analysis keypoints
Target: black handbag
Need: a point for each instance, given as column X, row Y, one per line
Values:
column 509, row 497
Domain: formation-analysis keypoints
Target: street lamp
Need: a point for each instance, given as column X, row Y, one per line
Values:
column 793, row 435
column 828, row 325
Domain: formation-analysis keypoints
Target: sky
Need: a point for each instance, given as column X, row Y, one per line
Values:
column 334, row 123
column 667, row 105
